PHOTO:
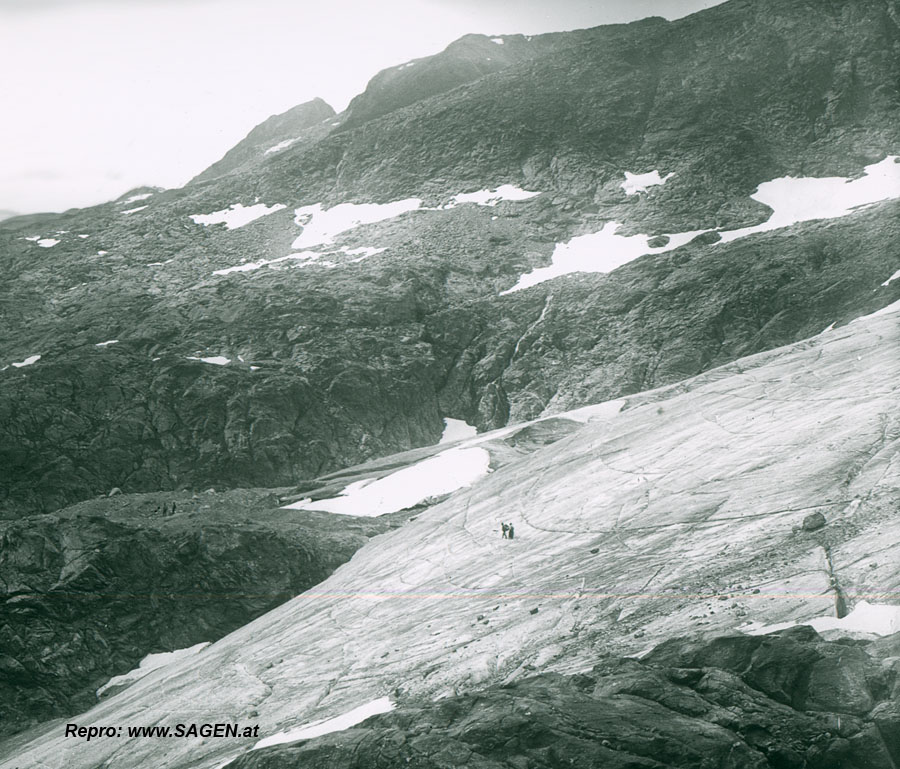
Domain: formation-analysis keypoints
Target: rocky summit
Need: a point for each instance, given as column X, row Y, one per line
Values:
column 634, row 290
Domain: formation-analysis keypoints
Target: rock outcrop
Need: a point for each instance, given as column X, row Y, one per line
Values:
column 786, row 701
column 88, row 592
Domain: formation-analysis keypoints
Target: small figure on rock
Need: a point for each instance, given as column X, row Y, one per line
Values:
column 165, row 511
column 172, row 511
column 505, row 529
column 510, row 531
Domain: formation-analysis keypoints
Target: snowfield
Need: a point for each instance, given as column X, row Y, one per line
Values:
column 305, row 258
column 136, row 198
column 236, row 215
column 792, row 201
column 150, row 663
column 457, row 430
column 216, row 360
column 634, row 184
column 806, row 199
column 29, row 361
column 321, row 226
column 327, row 726
column 878, row 619
column 602, row 251
column 281, row 146
column 492, row 197
column 448, row 471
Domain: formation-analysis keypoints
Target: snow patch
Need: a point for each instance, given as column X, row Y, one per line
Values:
column 593, row 412
column 281, row 146
column 497, row 40
column 102, row 253
column 602, row 251
column 107, row 344
column 29, row 361
column 251, row 266
column 134, row 210
column 84, row 236
column 895, row 276
column 805, row 199
column 792, row 201
column 47, row 242
column 492, row 197
column 34, row 238
column 150, row 663
column 236, row 215
column 136, row 198
column 337, row 724
column 457, row 430
column 634, row 184
column 363, row 252
column 441, row 474
column 216, row 360
column 879, row 619
column 321, row 226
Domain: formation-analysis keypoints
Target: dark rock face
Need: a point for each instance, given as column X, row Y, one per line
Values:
column 363, row 359
column 787, row 701
column 88, row 592
column 813, row 522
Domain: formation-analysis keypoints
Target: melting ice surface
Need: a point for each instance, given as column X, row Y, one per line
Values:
column 803, row 200
column 602, row 251
column 637, row 183
column 150, row 663
column 448, row 471
column 866, row 617
column 236, row 215
column 457, row 430
column 318, row 728
column 47, row 242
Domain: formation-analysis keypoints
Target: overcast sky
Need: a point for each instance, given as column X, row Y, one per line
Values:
column 100, row 96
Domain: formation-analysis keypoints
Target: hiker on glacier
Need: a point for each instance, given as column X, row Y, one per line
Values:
column 510, row 531
column 505, row 530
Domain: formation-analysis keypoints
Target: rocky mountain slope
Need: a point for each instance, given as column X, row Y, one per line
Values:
column 276, row 133
column 683, row 510
column 347, row 332
column 91, row 590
